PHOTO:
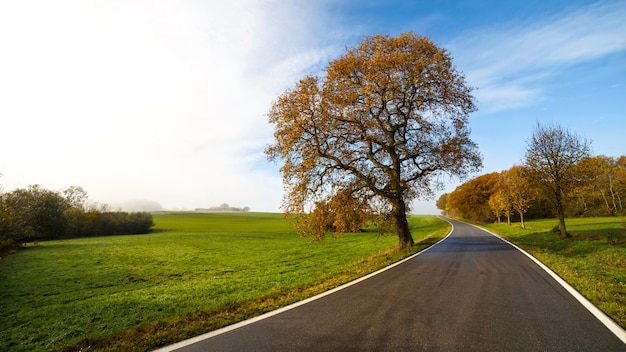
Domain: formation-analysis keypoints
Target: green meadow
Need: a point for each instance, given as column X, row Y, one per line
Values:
column 593, row 261
column 194, row 273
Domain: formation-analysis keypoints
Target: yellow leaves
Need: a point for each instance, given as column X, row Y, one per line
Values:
column 339, row 213
column 376, row 121
column 471, row 199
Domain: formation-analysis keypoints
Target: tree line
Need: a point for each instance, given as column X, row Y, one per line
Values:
column 223, row 207
column 558, row 178
column 34, row 213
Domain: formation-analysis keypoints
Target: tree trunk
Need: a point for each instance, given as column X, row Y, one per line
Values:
column 561, row 215
column 606, row 201
column 562, row 230
column 405, row 239
column 612, row 196
column 521, row 216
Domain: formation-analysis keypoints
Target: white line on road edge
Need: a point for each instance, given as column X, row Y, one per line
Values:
column 600, row 315
column 289, row 307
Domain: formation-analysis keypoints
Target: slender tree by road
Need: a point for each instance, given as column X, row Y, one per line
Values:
column 551, row 157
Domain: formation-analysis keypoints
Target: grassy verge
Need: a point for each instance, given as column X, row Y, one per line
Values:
column 593, row 261
column 198, row 272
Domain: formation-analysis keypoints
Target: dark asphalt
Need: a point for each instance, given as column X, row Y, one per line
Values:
column 470, row 292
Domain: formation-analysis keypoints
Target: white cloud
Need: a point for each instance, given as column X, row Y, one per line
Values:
column 160, row 100
column 510, row 62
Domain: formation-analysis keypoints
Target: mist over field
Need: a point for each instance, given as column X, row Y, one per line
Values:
column 137, row 205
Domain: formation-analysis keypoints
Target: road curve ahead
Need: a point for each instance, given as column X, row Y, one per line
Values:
column 470, row 292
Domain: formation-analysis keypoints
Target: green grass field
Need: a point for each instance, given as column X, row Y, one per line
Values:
column 195, row 273
column 593, row 261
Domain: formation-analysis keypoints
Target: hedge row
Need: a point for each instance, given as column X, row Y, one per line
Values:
column 34, row 214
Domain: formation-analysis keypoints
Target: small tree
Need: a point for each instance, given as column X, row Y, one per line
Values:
column 75, row 196
column 500, row 200
column 499, row 205
column 602, row 181
column 470, row 200
column 520, row 191
column 387, row 119
column 551, row 154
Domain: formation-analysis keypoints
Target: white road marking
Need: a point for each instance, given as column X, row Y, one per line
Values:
column 599, row 314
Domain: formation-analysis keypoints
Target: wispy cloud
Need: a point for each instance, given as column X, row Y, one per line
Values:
column 510, row 62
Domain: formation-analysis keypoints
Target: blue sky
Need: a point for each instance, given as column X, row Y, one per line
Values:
column 166, row 100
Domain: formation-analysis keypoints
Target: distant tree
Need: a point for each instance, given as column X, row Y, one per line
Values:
column 75, row 196
column 442, row 202
column 500, row 199
column 387, row 119
column 595, row 195
column 620, row 184
column 603, row 182
column 520, row 191
column 500, row 205
column 470, row 200
column 551, row 155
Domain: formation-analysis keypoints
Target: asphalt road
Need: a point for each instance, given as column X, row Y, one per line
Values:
column 470, row 292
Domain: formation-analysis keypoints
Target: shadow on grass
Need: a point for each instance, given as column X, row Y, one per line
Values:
column 159, row 230
column 582, row 243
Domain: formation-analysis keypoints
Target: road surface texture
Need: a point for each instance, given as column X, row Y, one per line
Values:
column 470, row 292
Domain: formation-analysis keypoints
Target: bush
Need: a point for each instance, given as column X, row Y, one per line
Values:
column 103, row 223
column 7, row 246
column 32, row 213
column 140, row 222
column 35, row 214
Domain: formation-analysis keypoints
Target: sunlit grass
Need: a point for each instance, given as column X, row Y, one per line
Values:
column 197, row 272
column 593, row 261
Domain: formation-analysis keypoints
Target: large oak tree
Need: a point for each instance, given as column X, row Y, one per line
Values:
column 384, row 123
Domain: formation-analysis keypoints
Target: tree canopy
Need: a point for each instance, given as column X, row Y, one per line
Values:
column 471, row 199
column 384, row 123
